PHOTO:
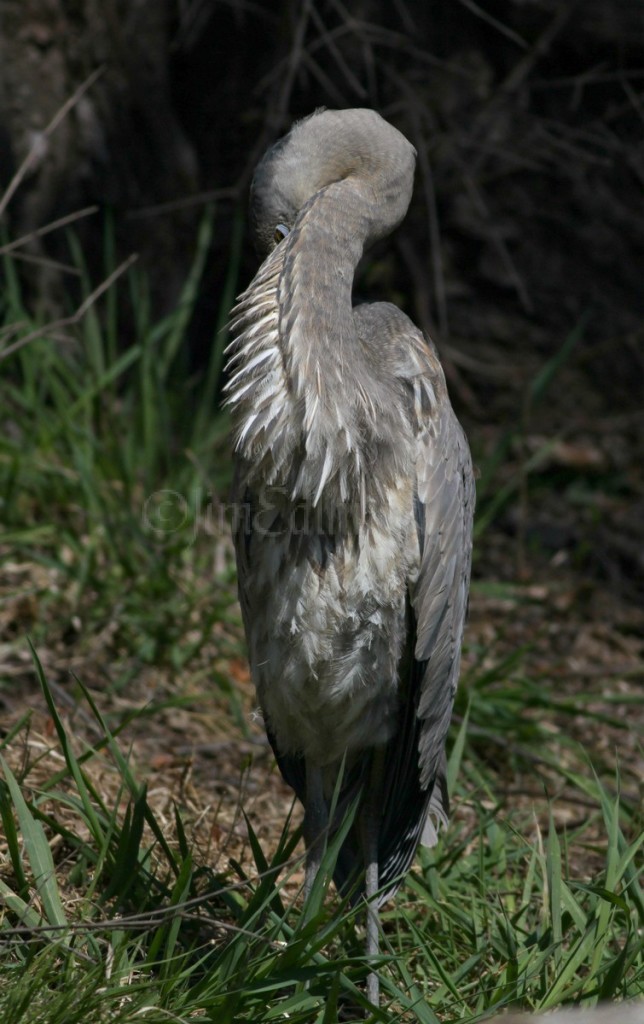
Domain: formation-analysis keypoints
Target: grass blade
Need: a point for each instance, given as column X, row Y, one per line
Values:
column 37, row 851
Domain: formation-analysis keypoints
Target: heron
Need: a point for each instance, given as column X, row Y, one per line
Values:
column 355, row 479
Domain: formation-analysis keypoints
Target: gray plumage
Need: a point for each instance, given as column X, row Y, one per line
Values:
column 354, row 559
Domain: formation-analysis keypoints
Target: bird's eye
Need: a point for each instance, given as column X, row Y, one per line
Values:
column 281, row 231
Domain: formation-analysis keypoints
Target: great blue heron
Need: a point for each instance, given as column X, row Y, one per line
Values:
column 354, row 558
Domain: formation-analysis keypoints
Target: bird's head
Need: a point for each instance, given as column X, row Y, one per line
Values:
column 326, row 147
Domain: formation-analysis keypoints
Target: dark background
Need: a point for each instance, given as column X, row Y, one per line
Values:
column 526, row 228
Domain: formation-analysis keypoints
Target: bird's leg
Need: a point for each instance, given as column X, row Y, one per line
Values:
column 370, row 821
column 316, row 823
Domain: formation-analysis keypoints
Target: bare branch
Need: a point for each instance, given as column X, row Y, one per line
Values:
column 55, row 224
column 35, row 152
column 69, row 321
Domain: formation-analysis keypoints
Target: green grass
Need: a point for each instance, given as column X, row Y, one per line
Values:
column 109, row 459
column 121, row 924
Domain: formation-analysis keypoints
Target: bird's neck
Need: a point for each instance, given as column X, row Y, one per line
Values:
column 324, row 358
column 302, row 395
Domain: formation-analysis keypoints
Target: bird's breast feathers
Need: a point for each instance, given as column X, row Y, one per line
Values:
column 327, row 667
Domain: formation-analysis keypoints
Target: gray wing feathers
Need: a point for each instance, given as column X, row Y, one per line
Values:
column 444, row 509
column 439, row 596
column 438, row 807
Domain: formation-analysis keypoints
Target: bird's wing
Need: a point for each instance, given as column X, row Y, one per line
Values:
column 444, row 497
column 416, row 798
column 415, row 787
